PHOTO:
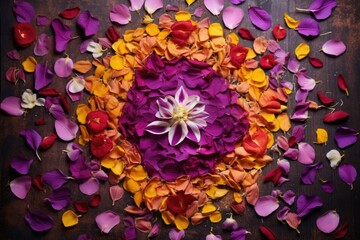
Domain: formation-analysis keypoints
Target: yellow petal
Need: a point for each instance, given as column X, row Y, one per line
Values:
column 99, row 89
column 250, row 54
column 82, row 111
column 118, row 167
column 284, row 119
column 108, row 162
column 189, row 2
column 152, row 29
column 99, row 71
column 163, row 34
column 182, row 16
column 150, row 190
column 148, row 19
column 138, row 198
column 215, row 192
column 215, row 217
column 215, row 30
column 321, row 136
column 128, row 35
column 167, row 217
column 69, row 218
column 238, row 197
column 290, row 22
column 82, row 66
column 117, row 62
column 208, row 208
column 131, row 185
column 302, row 50
column 270, row 117
column 181, row 222
column 138, row 173
column 29, row 64
column 234, row 39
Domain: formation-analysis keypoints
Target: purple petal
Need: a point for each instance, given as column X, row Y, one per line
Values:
column 214, row 6
column 239, row 234
column 230, row 224
column 90, row 186
column 59, row 198
column 107, row 220
column 284, row 165
column 136, row 5
column 171, row 8
column 198, row 12
column 152, row 5
column 308, row 27
column 62, row 34
column 120, row 14
column 88, row 23
column 42, row 45
column 43, row 76
column 301, row 96
column 306, row 203
column 63, row 67
column 20, row 186
column 12, row 106
column 232, row 17
column 298, row 132
column 291, row 153
column 21, row 164
column 260, row 18
column 293, row 65
column 306, row 153
column 66, row 129
column 24, row 11
column 289, row 197
column 55, row 178
column 42, row 21
column 347, row 173
column 154, row 232
column 32, row 138
column 327, row 186
column 328, row 222
column 38, row 221
column 130, row 230
column 345, row 136
column 175, row 234
column 13, row 54
column 158, row 127
column 73, row 151
column 237, row 2
column 305, row 82
column 334, row 47
column 308, row 173
column 322, row 9
column 265, row 205
column 281, row 214
column 84, row 45
column 85, row 236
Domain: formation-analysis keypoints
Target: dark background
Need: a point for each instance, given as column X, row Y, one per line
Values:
column 344, row 24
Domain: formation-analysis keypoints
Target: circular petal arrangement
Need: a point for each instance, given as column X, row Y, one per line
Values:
column 180, row 115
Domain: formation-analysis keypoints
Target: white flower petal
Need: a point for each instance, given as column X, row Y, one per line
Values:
column 40, row 102
column 28, row 99
column 181, row 95
column 191, row 102
column 178, row 128
column 158, row 127
column 77, row 85
column 194, row 128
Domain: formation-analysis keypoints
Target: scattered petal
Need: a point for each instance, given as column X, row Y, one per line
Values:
column 20, row 186
column 347, row 173
column 214, row 6
column 306, row 203
column 266, row 205
column 69, row 218
column 334, row 47
column 232, row 17
column 107, row 220
column 24, row 11
column 12, row 106
column 120, row 14
column 42, row 45
column 260, row 18
column 62, row 34
column 345, row 136
column 116, row 193
column 328, row 222
column 21, row 164
column 334, row 157
column 63, row 67
column 66, row 129
column 70, row 13
column 308, row 27
column 38, row 221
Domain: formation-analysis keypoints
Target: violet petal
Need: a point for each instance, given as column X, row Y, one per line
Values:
column 306, row 153
column 232, row 17
column 175, row 234
column 43, row 76
column 42, row 21
column 308, row 173
column 13, row 54
column 32, row 138
column 347, row 173
column 24, row 11
column 42, row 45
column 12, row 106
column 260, row 18
column 327, row 186
column 63, row 67
column 345, row 136
column 198, row 12
column 38, row 221
column 120, row 14
column 289, row 197
column 88, row 23
column 306, row 203
column 328, row 222
column 90, row 186
column 265, row 205
column 59, row 198
column 20, row 186
column 322, row 9
column 66, row 129
column 62, row 34
column 55, row 178
column 281, row 214
column 308, row 27
column 107, row 220
column 21, row 164
column 239, row 234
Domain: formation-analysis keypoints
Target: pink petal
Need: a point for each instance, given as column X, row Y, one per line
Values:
column 293, row 220
column 116, row 193
column 214, row 6
column 120, row 14
column 90, row 186
column 107, row 220
column 266, row 205
column 63, row 67
column 198, row 12
column 260, row 18
column 232, row 17
column 12, row 106
column 334, row 47
column 306, row 153
column 289, row 197
column 42, row 45
column 328, row 222
column 175, row 234
column 136, row 5
column 66, row 129
column 284, row 165
column 20, row 186
column 306, row 83
column 152, row 5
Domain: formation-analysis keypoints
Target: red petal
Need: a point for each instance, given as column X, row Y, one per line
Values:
column 48, row 141
column 24, row 34
column 267, row 61
column 238, row 55
column 112, row 34
column 292, row 141
column 279, row 32
column 315, row 62
column 64, row 103
column 100, row 146
column 341, row 231
column 246, row 34
column 81, row 206
column 48, row 92
column 238, row 208
column 95, row 200
column 342, row 84
column 96, row 121
column 325, row 99
column 273, row 176
column 179, row 203
column 335, row 116
column 70, row 13
column 38, row 182
column 268, row 233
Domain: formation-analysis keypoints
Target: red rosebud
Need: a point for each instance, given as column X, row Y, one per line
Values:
column 267, row 61
column 48, row 141
column 279, row 32
column 112, row 34
column 181, row 31
column 96, row 121
column 24, row 34
column 100, row 146
column 238, row 55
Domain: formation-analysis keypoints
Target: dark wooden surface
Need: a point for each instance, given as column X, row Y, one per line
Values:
column 343, row 24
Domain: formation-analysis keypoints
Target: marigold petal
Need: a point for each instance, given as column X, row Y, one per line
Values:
column 181, row 222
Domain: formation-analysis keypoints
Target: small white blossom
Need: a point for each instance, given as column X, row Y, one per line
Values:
column 29, row 100
column 96, row 49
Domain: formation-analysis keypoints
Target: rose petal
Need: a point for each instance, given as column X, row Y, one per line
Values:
column 90, row 186
column 24, row 11
column 38, row 221
column 62, row 34
column 20, row 186
column 306, row 203
column 328, row 222
column 306, row 153
column 347, row 173
column 260, row 18
column 266, row 205
column 345, row 136
column 21, row 164
column 63, row 67
column 214, row 6
column 107, row 220
column 232, row 17
column 120, row 14
column 12, row 106
column 88, row 23
column 66, row 129
column 152, row 5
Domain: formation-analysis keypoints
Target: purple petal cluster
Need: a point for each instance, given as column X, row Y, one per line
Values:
column 226, row 123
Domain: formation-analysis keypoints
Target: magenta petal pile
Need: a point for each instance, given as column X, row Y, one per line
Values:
column 182, row 117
